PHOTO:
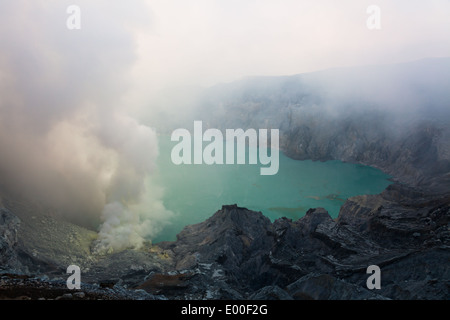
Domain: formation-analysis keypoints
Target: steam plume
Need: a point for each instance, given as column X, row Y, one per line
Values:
column 66, row 138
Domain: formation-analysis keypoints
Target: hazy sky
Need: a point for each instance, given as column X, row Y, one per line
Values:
column 209, row 41
column 203, row 42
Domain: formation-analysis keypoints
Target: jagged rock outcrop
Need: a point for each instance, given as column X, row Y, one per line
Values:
column 240, row 254
column 317, row 257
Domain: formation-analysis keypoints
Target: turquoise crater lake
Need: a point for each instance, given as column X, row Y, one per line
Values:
column 195, row 192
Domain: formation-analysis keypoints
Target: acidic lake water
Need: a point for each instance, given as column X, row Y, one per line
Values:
column 196, row 192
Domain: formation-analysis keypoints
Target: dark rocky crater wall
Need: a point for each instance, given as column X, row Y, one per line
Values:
column 395, row 118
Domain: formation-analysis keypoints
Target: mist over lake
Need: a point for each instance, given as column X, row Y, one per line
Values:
column 194, row 192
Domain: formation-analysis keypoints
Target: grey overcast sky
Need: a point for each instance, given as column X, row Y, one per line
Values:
column 203, row 42
column 209, row 41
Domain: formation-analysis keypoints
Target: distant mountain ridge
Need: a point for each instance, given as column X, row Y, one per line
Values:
column 394, row 117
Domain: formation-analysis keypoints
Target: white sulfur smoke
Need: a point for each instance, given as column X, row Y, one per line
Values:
column 66, row 137
column 133, row 212
column 131, row 226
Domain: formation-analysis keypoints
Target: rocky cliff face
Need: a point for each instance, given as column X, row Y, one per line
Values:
column 316, row 257
column 417, row 156
column 395, row 118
